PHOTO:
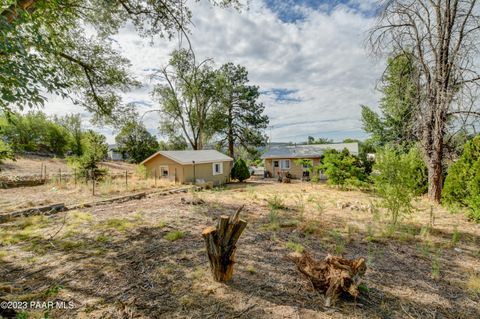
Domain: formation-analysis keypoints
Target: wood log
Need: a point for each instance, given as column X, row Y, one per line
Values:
column 333, row 275
column 220, row 243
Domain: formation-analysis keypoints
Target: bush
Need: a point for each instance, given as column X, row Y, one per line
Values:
column 141, row 171
column 462, row 184
column 95, row 150
column 342, row 168
column 240, row 170
column 397, row 179
column 6, row 152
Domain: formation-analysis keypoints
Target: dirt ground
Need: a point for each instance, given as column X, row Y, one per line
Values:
column 146, row 258
column 31, row 165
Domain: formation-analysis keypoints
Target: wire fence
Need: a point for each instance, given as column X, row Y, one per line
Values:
column 112, row 181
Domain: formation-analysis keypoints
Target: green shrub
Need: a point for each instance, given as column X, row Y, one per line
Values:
column 397, row 179
column 462, row 184
column 6, row 152
column 141, row 171
column 174, row 235
column 240, row 170
column 342, row 168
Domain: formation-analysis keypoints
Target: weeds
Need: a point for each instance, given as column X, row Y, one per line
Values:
column 275, row 202
column 339, row 242
column 455, row 236
column 273, row 221
column 296, row 247
column 473, row 284
column 117, row 224
column 174, row 235
column 310, row 227
column 435, row 272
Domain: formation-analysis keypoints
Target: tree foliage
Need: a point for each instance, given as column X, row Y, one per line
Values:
column 187, row 98
column 342, row 168
column 34, row 132
column 6, row 152
column 44, row 47
column 462, row 184
column 398, row 104
column 135, row 141
column 320, row 140
column 441, row 38
column 240, row 171
column 240, row 117
column 95, row 150
column 73, row 124
column 397, row 178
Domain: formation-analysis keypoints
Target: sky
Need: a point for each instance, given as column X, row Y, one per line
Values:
column 307, row 56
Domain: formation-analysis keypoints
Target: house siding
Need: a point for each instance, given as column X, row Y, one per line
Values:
column 296, row 170
column 185, row 174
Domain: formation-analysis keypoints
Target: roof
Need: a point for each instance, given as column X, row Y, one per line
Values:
column 307, row 151
column 187, row 157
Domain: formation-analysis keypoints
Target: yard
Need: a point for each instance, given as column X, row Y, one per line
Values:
column 146, row 258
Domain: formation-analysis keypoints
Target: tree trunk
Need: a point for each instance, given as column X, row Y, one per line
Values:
column 435, row 181
column 435, row 163
column 221, row 245
column 231, row 142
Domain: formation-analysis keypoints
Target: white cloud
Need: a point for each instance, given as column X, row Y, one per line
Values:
column 320, row 57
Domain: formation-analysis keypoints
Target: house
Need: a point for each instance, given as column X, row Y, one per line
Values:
column 113, row 154
column 283, row 159
column 190, row 166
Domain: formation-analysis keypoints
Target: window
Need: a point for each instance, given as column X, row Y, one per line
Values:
column 217, row 168
column 275, row 163
column 285, row 164
column 164, row 171
column 307, row 164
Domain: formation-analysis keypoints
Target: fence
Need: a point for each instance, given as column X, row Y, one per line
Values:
column 119, row 181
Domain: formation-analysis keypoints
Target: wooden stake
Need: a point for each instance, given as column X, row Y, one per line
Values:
column 93, row 183
column 126, row 180
column 220, row 243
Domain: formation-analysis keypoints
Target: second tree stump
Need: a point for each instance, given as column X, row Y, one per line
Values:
column 333, row 275
column 221, row 244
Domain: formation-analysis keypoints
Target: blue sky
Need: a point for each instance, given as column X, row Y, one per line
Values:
column 307, row 56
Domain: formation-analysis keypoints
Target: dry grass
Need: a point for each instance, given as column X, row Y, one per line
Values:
column 67, row 192
column 145, row 258
column 31, row 165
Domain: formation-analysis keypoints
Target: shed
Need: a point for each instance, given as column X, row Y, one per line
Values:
column 190, row 166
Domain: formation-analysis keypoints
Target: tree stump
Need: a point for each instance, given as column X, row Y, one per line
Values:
column 333, row 275
column 220, row 243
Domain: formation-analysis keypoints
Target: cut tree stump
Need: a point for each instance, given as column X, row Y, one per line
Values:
column 221, row 244
column 333, row 275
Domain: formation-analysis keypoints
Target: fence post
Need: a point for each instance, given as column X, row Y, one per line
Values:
column 60, row 175
column 75, row 176
column 155, row 177
column 126, row 180
column 45, row 175
column 41, row 172
column 93, row 182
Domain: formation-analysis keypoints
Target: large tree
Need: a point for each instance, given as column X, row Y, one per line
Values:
column 65, row 47
column 135, row 141
column 442, row 38
column 396, row 123
column 73, row 124
column 241, row 120
column 188, row 99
